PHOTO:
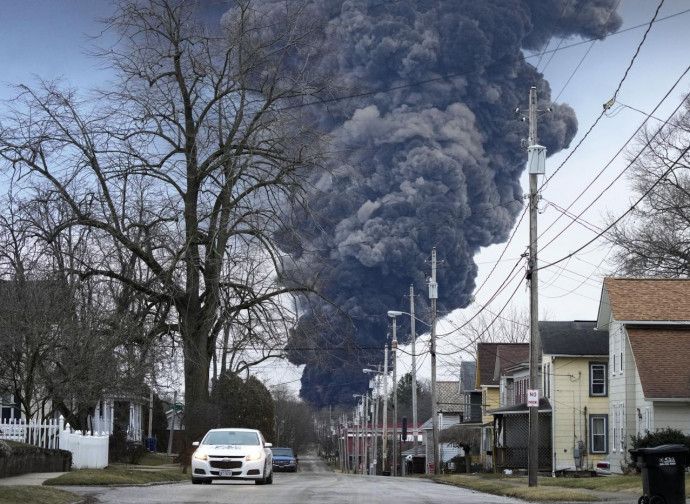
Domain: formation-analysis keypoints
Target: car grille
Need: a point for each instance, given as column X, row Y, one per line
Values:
column 226, row 464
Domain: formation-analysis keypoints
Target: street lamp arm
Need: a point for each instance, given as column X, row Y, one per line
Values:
column 393, row 314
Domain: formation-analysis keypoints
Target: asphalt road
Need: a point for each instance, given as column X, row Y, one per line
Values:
column 314, row 484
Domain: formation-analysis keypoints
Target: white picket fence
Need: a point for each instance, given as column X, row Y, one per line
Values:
column 88, row 451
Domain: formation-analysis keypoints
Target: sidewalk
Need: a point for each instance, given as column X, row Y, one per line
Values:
column 38, row 478
column 29, row 478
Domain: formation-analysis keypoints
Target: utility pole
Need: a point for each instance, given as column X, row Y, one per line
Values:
column 347, row 445
column 367, row 435
column 376, row 420
column 355, row 424
column 433, row 295
column 394, row 346
column 414, row 372
column 384, row 447
column 536, row 155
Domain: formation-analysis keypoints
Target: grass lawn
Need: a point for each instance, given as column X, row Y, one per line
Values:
column 17, row 494
column 548, row 489
column 118, row 475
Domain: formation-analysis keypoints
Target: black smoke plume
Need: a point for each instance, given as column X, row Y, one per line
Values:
column 433, row 160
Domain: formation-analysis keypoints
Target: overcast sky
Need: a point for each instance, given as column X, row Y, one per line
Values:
column 48, row 38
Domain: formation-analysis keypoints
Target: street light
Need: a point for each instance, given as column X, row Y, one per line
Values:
column 394, row 345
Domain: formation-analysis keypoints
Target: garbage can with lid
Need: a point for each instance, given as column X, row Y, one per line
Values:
column 663, row 473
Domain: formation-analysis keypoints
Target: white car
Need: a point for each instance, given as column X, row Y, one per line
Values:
column 604, row 466
column 228, row 454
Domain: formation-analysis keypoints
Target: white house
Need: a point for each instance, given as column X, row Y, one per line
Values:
column 649, row 358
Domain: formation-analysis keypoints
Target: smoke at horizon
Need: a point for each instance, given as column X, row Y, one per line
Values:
column 420, row 166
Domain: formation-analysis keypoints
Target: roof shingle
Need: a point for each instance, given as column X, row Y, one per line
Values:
column 652, row 299
column 503, row 354
column 662, row 356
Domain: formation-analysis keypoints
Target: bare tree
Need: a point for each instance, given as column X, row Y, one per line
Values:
column 182, row 170
column 293, row 421
column 61, row 345
column 484, row 326
column 654, row 240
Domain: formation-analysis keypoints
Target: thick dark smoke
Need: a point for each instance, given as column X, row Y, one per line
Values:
column 435, row 161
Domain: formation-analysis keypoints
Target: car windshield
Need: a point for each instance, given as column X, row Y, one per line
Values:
column 231, row 438
column 282, row 452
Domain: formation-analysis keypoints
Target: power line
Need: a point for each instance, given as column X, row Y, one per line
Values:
column 632, row 207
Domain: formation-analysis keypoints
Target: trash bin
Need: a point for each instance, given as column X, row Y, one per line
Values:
column 663, row 473
column 151, row 444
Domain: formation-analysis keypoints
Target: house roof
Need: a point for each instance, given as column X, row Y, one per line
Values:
column 494, row 358
column 662, row 356
column 573, row 338
column 446, row 420
column 449, row 397
column 544, row 405
column 647, row 299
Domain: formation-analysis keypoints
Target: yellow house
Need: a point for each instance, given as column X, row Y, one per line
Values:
column 575, row 382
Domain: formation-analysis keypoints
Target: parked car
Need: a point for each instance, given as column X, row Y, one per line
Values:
column 224, row 454
column 284, row 459
column 604, row 466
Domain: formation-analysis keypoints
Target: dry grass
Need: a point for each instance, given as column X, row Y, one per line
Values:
column 116, row 475
column 548, row 489
column 15, row 494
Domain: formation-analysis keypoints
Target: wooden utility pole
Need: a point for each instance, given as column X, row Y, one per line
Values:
column 536, row 155
column 413, row 335
column 433, row 295
column 384, row 455
column 394, row 347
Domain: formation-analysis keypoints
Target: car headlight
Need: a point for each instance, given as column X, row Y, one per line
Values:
column 255, row 454
column 200, row 455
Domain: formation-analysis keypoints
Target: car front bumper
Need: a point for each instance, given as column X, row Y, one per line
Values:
column 219, row 468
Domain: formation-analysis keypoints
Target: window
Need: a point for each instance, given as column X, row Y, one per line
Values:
column 614, row 350
column 8, row 410
column 597, row 379
column 598, row 427
column 614, row 412
column 621, row 420
column 547, row 380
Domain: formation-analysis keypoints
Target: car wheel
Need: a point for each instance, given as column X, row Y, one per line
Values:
column 269, row 480
column 196, row 481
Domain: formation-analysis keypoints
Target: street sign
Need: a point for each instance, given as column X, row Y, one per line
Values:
column 532, row 398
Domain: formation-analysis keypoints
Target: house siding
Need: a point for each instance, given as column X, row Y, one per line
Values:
column 491, row 398
column 673, row 415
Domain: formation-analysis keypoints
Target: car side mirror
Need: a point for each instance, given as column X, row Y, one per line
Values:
column 195, row 443
column 268, row 445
